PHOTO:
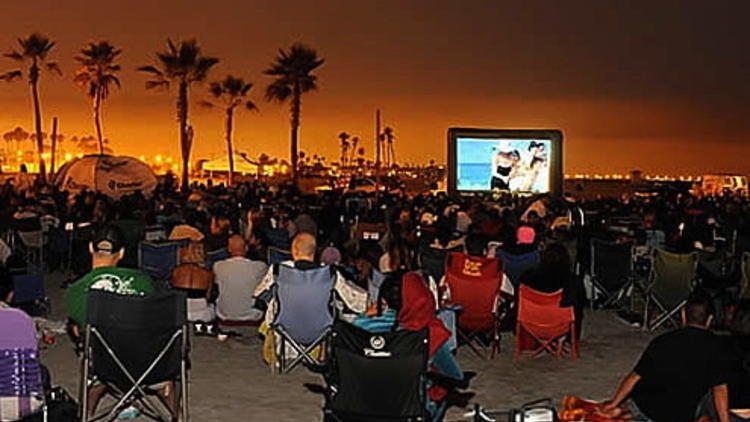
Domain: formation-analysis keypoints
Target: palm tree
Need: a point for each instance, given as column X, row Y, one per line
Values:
column 355, row 144
column 230, row 93
column 33, row 49
column 183, row 64
column 292, row 71
column 97, row 74
column 390, row 152
column 344, row 138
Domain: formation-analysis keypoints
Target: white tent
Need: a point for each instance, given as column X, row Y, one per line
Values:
column 112, row 175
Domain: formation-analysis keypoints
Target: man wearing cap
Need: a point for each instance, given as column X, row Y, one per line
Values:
column 107, row 249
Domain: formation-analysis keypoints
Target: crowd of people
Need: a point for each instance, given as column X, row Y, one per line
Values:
column 233, row 241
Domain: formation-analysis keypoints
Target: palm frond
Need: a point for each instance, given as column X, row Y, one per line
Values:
column 152, row 70
column 11, row 76
column 53, row 67
column 249, row 105
column 157, row 84
column 206, row 104
column 14, row 55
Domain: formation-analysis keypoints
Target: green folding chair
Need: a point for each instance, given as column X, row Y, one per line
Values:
column 673, row 277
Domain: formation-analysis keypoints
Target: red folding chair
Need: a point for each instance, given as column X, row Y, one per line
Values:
column 544, row 326
column 474, row 285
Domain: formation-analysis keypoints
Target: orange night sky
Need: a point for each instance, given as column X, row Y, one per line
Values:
column 661, row 85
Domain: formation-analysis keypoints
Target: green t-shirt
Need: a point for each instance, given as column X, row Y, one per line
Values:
column 122, row 281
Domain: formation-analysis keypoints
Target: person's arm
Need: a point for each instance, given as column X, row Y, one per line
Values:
column 626, row 387
column 721, row 402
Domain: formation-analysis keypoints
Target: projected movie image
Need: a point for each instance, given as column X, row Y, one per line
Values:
column 518, row 165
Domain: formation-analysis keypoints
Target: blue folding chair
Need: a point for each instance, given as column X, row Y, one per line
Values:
column 515, row 265
column 213, row 257
column 29, row 294
column 304, row 314
column 277, row 256
column 158, row 259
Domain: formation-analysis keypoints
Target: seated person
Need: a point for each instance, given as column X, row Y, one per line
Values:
column 237, row 278
column 554, row 274
column 676, row 370
column 350, row 297
column 107, row 249
column 738, row 365
column 196, row 281
column 406, row 303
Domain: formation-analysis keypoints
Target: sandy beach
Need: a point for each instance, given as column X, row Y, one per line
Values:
column 230, row 382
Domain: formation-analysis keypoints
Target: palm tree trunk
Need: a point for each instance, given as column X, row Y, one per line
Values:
column 98, row 121
column 296, row 106
column 182, row 116
column 230, row 152
column 34, row 81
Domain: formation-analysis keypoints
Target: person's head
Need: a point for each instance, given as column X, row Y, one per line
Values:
column 107, row 246
column 476, row 244
column 555, row 256
column 236, row 246
column 389, row 295
column 303, row 247
column 698, row 311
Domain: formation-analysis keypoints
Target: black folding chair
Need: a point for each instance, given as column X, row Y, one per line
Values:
column 611, row 270
column 131, row 344
column 376, row 377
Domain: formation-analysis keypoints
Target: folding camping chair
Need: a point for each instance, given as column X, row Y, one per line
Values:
column 544, row 323
column 474, row 284
column 132, row 343
column 21, row 389
column 376, row 377
column 611, row 271
column 32, row 238
column 745, row 280
column 213, row 257
column 158, row 259
column 276, row 256
column 515, row 265
column 304, row 315
column 29, row 294
column 673, row 277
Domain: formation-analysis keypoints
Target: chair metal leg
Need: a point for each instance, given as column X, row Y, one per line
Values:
column 184, row 378
column 83, row 389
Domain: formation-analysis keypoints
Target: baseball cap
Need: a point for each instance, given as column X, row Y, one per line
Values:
column 109, row 239
column 525, row 235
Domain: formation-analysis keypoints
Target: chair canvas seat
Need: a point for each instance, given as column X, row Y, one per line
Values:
column 543, row 325
column 474, row 284
column 376, row 376
column 611, row 269
column 304, row 315
column 132, row 343
column 21, row 391
column 673, row 277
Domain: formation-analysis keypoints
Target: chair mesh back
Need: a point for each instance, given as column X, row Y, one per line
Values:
column 137, row 328
column 673, row 276
column 378, row 376
column 611, row 264
column 158, row 259
column 20, row 373
column 28, row 288
column 304, row 299
column 515, row 265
